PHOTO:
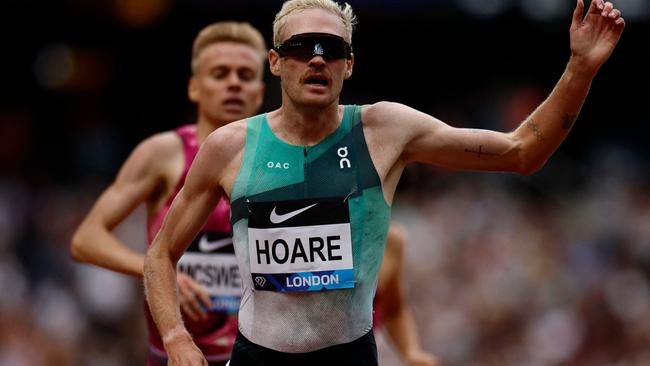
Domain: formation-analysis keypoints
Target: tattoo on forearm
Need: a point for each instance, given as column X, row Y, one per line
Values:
column 536, row 131
column 480, row 152
column 568, row 122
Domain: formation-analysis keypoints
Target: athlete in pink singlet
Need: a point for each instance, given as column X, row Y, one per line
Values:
column 228, row 60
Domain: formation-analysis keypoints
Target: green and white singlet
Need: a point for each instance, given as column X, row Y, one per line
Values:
column 309, row 227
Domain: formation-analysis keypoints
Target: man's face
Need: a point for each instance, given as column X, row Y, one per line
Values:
column 314, row 82
column 227, row 84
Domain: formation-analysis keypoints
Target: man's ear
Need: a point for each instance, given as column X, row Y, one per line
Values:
column 193, row 89
column 274, row 62
column 350, row 65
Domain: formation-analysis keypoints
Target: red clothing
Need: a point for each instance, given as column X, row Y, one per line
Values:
column 209, row 260
column 377, row 316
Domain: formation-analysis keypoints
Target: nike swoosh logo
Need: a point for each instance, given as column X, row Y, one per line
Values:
column 276, row 219
column 206, row 245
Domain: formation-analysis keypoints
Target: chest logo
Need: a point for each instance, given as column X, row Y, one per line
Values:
column 344, row 162
column 277, row 165
column 276, row 219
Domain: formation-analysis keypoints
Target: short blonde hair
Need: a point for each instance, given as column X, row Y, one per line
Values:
column 228, row 31
column 291, row 6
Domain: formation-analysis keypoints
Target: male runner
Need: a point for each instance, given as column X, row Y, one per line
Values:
column 226, row 84
column 311, row 185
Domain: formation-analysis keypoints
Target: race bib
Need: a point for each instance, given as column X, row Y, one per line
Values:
column 302, row 245
column 210, row 261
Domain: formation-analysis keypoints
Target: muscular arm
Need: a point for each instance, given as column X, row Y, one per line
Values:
column 399, row 322
column 93, row 241
column 526, row 149
column 523, row 150
column 184, row 219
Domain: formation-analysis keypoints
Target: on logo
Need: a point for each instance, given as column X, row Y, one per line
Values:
column 277, row 165
column 343, row 153
column 260, row 281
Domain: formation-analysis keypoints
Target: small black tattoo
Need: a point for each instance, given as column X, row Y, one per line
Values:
column 536, row 131
column 568, row 122
column 480, row 152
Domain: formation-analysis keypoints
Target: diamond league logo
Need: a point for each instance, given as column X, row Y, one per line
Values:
column 260, row 281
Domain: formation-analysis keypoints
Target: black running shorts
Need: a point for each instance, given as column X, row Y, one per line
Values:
column 361, row 352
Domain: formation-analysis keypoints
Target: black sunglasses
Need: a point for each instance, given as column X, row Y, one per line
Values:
column 305, row 46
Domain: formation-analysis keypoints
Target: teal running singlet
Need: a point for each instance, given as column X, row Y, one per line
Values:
column 309, row 226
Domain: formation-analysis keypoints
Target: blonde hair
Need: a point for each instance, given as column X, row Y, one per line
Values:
column 291, row 6
column 228, row 31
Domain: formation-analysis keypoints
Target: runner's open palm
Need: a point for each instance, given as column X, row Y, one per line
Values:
column 594, row 37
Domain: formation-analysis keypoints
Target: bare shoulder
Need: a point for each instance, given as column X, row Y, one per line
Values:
column 160, row 145
column 221, row 154
column 400, row 124
column 379, row 121
column 154, row 153
column 388, row 112
column 376, row 109
column 391, row 122
column 380, row 112
column 228, row 140
column 391, row 113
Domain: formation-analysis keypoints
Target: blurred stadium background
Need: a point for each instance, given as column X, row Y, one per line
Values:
column 552, row 269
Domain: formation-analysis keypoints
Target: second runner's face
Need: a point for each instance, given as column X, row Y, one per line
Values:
column 227, row 85
column 314, row 82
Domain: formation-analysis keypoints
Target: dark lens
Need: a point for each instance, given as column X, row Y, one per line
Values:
column 333, row 48
column 305, row 46
column 299, row 49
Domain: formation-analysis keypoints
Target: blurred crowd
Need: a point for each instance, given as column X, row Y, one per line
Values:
column 53, row 311
column 534, row 271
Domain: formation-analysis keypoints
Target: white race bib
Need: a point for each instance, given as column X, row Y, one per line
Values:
column 302, row 245
column 211, row 262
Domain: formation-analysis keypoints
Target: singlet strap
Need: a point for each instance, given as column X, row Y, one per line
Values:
column 190, row 142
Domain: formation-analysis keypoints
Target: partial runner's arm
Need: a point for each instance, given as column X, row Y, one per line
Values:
column 396, row 314
column 139, row 177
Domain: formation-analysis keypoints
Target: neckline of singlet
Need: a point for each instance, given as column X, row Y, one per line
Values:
column 342, row 128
